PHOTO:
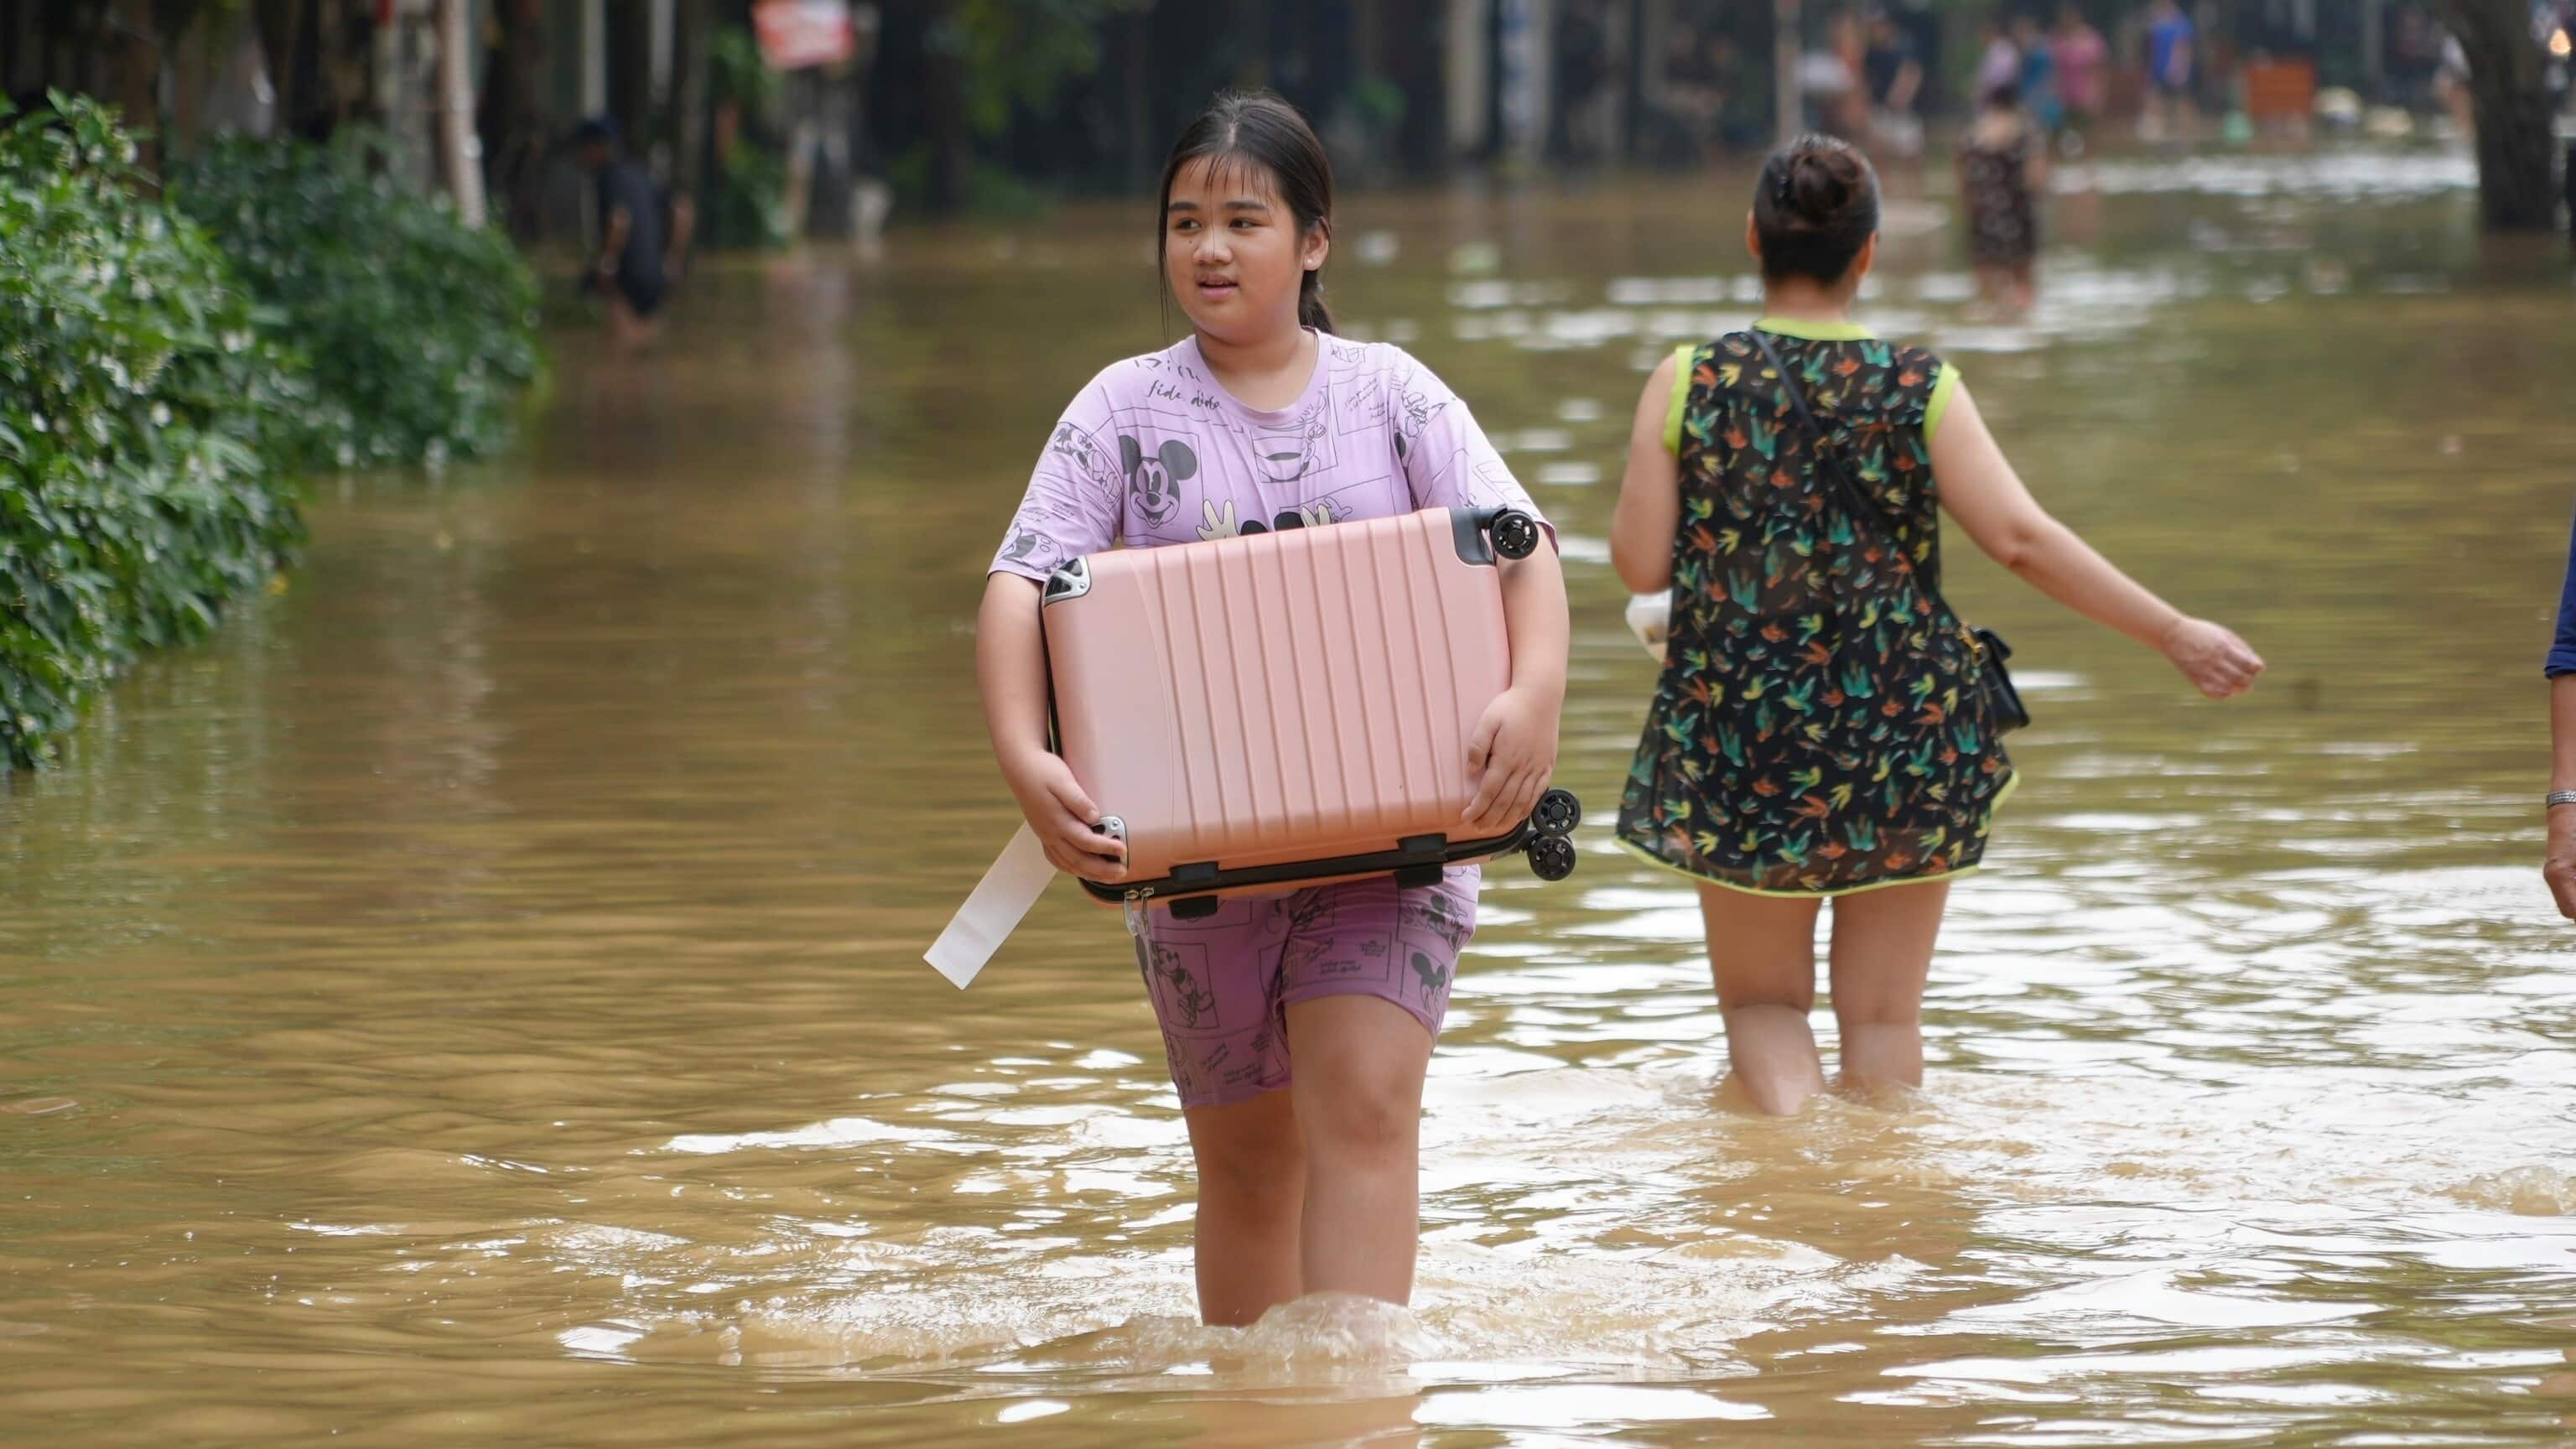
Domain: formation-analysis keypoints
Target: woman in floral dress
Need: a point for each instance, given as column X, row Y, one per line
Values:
column 1819, row 731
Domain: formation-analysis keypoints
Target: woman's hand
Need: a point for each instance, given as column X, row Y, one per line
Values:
column 2217, row 663
column 1510, row 756
column 1064, row 819
column 2560, row 868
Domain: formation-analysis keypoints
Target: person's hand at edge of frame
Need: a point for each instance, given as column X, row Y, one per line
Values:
column 2559, row 867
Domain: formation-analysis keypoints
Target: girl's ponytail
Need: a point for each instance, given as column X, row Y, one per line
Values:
column 1311, row 311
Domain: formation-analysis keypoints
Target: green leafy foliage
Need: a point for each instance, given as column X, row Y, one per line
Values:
column 141, row 414
column 1021, row 52
column 747, row 200
column 420, row 331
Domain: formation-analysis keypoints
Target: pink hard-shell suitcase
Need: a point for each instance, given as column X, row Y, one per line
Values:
column 1261, row 713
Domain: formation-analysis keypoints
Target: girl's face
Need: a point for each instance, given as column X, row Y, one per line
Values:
column 1233, row 252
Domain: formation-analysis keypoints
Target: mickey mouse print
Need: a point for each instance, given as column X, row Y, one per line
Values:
column 1153, row 451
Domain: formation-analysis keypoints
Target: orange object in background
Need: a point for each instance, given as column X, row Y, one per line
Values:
column 797, row 34
column 2283, row 89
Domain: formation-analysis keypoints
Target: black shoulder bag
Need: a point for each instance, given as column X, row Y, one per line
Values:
column 2003, row 702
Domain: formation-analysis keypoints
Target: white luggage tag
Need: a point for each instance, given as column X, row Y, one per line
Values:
column 999, row 901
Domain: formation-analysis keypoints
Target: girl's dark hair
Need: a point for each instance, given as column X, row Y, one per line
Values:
column 1257, row 129
column 1814, row 207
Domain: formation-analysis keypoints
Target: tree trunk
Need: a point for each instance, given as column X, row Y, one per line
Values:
column 330, row 68
column 460, row 152
column 952, row 146
column 689, row 54
column 135, row 42
column 2511, row 100
column 281, row 37
column 518, row 115
column 630, row 76
column 193, row 52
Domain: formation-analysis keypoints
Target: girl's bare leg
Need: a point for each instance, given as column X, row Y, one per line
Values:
column 1252, row 1185
column 1360, row 1061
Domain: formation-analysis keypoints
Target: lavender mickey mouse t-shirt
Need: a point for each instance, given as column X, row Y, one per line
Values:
column 1154, row 451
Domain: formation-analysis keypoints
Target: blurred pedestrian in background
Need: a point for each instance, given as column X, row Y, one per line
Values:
column 1895, row 76
column 1830, row 79
column 2003, row 165
column 2083, row 72
column 2173, row 67
column 643, row 235
column 2039, row 81
column 1999, row 63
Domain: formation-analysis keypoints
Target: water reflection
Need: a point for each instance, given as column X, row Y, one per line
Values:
column 478, row 995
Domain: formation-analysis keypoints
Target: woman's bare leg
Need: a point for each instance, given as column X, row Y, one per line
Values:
column 1762, row 952
column 1881, row 957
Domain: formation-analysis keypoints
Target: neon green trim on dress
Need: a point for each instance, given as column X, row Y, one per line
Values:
column 1810, row 330
column 1942, row 386
column 2011, row 782
column 1681, row 394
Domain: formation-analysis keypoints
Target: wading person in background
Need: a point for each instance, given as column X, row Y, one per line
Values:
column 2560, row 869
column 643, row 236
column 2173, row 71
column 2083, row 79
column 1895, row 76
column 1822, row 729
column 2003, row 168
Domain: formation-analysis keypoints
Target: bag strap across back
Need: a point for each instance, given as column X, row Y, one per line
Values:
column 1865, row 513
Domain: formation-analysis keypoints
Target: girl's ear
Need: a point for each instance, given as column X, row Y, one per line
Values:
column 1752, row 236
column 1318, row 245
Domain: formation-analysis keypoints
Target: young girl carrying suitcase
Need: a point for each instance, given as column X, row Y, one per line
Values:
column 1262, row 419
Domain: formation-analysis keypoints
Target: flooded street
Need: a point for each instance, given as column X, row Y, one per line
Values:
column 477, row 998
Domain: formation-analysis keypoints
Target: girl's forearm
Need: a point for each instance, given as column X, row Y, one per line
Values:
column 2067, row 569
column 1534, row 609
column 1010, row 668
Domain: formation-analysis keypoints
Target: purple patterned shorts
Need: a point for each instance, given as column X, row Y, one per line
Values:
column 1221, row 986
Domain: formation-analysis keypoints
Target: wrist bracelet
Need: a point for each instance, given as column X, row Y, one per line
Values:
column 2556, row 798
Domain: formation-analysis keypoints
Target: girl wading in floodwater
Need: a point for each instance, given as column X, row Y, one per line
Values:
column 1821, row 730
column 1298, row 1027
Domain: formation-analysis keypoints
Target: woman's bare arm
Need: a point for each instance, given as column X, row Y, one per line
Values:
column 1981, row 491
column 1650, row 494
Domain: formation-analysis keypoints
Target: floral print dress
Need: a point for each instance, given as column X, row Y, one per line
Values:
column 1818, row 728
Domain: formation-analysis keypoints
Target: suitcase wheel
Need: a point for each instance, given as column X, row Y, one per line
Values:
column 1515, row 534
column 1558, row 813
column 1551, row 857
column 1194, row 908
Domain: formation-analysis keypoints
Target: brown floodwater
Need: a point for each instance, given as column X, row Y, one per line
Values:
column 477, row 999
